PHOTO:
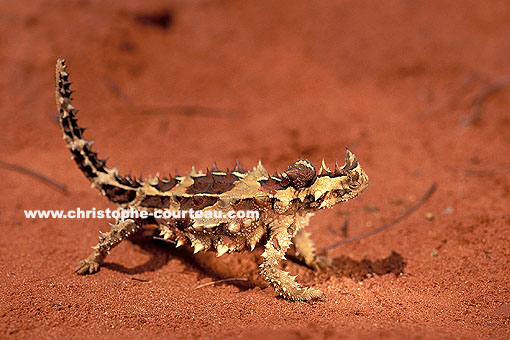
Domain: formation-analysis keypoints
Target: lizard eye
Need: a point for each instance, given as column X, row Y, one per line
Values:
column 353, row 185
column 337, row 193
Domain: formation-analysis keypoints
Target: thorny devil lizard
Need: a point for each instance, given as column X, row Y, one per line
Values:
column 285, row 203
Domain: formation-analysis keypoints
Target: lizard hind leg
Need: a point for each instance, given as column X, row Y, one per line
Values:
column 107, row 241
column 285, row 284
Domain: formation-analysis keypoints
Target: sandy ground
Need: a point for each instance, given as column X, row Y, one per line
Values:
column 419, row 90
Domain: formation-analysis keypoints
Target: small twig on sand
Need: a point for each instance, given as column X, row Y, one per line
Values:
column 472, row 172
column 220, row 281
column 345, row 226
column 187, row 110
column 481, row 97
column 387, row 225
column 331, row 230
column 452, row 99
column 46, row 180
column 117, row 92
column 343, row 229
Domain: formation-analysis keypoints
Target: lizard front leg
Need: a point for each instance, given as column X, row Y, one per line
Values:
column 275, row 249
column 306, row 250
column 107, row 241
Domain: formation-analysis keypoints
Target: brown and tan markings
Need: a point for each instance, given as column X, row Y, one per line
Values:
column 285, row 203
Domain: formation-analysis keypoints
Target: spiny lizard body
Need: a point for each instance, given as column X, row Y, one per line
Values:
column 285, row 203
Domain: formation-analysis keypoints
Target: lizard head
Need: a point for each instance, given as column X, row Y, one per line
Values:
column 328, row 187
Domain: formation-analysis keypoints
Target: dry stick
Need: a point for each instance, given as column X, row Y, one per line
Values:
column 189, row 110
column 450, row 101
column 387, row 225
column 117, row 92
column 480, row 99
column 46, row 180
column 220, row 281
column 345, row 226
column 472, row 172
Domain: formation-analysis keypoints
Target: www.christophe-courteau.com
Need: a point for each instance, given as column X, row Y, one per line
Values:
column 123, row 214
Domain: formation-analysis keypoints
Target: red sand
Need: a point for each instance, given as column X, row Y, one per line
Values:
column 163, row 87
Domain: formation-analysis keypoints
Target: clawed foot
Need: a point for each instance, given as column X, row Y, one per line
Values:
column 321, row 262
column 87, row 266
column 306, row 294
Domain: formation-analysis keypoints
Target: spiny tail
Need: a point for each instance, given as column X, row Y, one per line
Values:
column 118, row 189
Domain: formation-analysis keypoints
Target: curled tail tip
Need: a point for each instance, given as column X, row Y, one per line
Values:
column 61, row 62
column 60, row 67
